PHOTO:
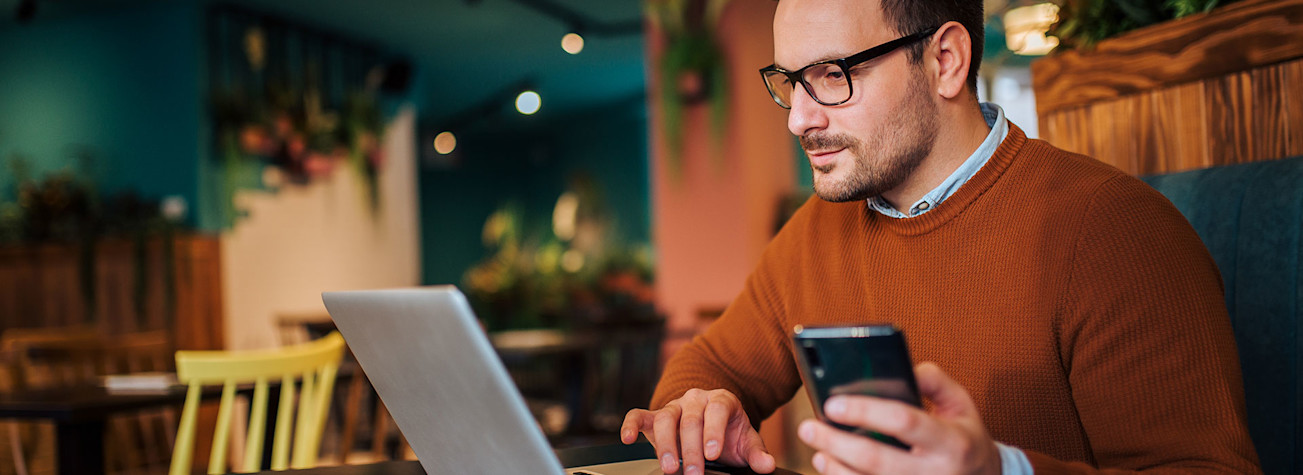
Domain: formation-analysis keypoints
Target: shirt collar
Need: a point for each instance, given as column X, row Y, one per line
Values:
column 995, row 119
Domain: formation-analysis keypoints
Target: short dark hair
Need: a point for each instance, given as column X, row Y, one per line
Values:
column 911, row 16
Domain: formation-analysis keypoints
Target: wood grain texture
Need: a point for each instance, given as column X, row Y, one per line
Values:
column 41, row 286
column 1292, row 103
column 1238, row 37
column 200, row 321
column 1235, row 118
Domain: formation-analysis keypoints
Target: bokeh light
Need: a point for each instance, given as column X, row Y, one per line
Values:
column 445, row 143
column 572, row 43
column 528, row 102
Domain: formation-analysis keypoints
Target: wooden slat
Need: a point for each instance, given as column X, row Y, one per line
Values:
column 1241, row 36
column 1229, row 118
column 57, row 268
column 257, row 426
column 199, row 314
column 1268, row 112
column 1292, row 100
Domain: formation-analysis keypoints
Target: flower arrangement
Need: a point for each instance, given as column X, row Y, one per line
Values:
column 558, row 279
column 294, row 99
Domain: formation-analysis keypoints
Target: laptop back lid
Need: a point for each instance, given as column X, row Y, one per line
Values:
column 433, row 367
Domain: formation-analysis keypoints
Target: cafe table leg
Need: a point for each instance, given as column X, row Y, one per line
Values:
column 80, row 446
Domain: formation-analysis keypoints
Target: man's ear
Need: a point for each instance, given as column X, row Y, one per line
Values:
column 953, row 53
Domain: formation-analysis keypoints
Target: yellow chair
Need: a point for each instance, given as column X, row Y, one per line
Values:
column 316, row 363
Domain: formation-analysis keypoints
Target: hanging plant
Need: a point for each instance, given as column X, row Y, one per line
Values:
column 302, row 102
column 1082, row 23
column 692, row 69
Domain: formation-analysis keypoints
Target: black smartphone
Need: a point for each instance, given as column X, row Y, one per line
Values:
column 869, row 360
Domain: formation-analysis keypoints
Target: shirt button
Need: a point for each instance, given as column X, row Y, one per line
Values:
column 923, row 205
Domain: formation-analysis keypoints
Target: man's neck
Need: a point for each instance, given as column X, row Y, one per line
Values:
column 960, row 134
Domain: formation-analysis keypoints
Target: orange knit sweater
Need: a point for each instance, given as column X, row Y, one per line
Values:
column 1073, row 302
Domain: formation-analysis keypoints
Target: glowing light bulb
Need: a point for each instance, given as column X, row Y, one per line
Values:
column 572, row 43
column 445, row 143
column 528, row 102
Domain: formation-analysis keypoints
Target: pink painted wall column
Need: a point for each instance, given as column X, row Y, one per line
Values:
column 712, row 221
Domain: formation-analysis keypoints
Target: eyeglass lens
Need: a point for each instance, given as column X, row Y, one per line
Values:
column 827, row 83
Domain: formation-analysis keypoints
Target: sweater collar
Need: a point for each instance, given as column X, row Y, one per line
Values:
column 965, row 196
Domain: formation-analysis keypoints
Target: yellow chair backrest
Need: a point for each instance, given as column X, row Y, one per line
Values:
column 315, row 362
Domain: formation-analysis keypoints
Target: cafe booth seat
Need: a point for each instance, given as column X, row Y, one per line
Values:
column 1250, row 216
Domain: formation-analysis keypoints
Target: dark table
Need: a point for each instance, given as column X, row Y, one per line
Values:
column 572, row 457
column 79, row 415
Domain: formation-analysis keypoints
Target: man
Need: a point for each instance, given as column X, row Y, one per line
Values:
column 1072, row 319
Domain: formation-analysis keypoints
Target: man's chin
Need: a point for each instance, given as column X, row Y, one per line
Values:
column 835, row 191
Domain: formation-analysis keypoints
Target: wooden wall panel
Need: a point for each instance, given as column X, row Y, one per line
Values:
column 200, row 324
column 1241, row 117
column 1292, row 76
column 1268, row 112
column 1237, row 37
column 1178, row 112
column 1208, row 90
column 1228, row 119
column 41, row 286
column 115, row 284
column 58, row 291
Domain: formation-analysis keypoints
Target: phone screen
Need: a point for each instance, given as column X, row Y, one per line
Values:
column 866, row 360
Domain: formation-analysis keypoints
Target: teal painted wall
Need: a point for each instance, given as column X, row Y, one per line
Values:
column 530, row 161
column 122, row 85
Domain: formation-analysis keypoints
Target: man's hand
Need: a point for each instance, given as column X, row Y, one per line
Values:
column 706, row 425
column 950, row 440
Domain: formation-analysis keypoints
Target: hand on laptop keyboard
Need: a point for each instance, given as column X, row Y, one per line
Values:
column 707, row 425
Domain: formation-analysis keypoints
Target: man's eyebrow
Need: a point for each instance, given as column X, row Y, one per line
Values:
column 828, row 57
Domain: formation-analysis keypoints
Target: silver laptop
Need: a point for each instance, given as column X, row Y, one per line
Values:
column 436, row 372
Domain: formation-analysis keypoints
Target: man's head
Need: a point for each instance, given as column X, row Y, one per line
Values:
column 878, row 137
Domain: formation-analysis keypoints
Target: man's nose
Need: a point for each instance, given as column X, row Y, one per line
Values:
column 806, row 115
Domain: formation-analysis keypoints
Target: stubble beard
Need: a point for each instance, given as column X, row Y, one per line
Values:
column 887, row 160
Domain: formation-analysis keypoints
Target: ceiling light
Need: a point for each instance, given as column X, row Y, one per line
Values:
column 528, row 102
column 445, row 143
column 1025, row 27
column 572, row 43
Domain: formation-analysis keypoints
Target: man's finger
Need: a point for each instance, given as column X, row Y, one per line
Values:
column 949, row 398
column 718, row 412
column 856, row 452
column 756, row 455
column 690, row 439
column 907, row 423
column 827, row 465
column 637, row 420
column 666, row 437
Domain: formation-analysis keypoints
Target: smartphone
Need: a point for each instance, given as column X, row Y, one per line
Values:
column 869, row 360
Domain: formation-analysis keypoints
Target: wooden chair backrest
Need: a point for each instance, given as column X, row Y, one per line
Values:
column 315, row 363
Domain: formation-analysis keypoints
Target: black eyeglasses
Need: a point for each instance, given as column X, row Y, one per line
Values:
column 828, row 82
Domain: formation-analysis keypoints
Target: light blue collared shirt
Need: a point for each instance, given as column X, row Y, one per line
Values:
column 994, row 116
column 1012, row 460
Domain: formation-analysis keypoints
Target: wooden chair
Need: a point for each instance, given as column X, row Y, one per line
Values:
column 43, row 358
column 316, row 363
column 357, row 423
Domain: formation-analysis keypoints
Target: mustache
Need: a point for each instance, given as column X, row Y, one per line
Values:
column 818, row 141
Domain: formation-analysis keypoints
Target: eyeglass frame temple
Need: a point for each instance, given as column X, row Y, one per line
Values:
column 845, row 64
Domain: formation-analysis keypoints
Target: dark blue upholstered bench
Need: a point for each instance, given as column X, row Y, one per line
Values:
column 1251, row 216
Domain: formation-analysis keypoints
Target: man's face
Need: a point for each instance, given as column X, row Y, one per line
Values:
column 873, row 142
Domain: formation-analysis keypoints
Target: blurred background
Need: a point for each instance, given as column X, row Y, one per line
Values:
column 599, row 176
